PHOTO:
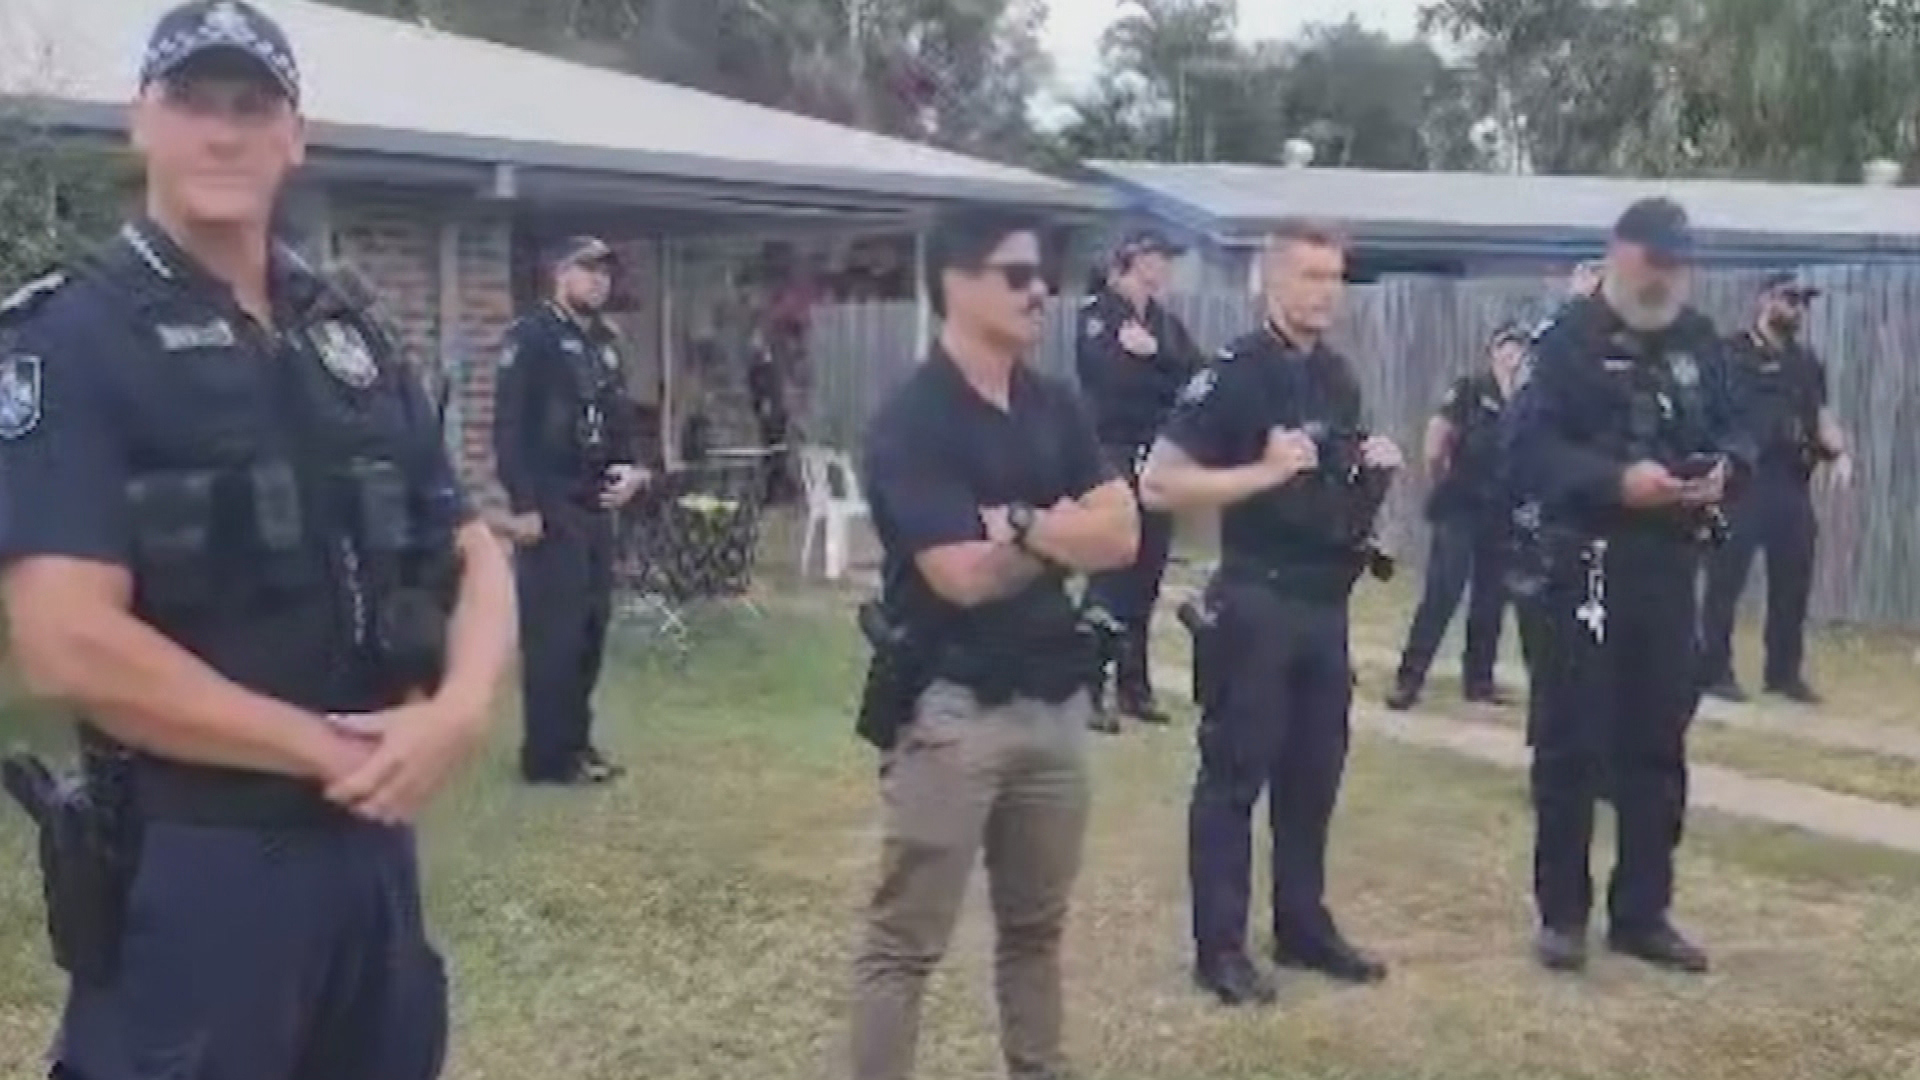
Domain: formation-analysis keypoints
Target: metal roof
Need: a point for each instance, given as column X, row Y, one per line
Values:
column 1236, row 204
column 382, row 86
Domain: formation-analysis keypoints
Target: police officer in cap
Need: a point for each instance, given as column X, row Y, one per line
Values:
column 1271, row 436
column 1471, row 522
column 1133, row 357
column 566, row 453
column 1784, row 386
column 231, row 539
column 1628, row 436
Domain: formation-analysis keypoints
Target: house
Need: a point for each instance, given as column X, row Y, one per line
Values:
column 439, row 165
column 1486, row 224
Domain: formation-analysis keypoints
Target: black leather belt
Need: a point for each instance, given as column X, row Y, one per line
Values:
column 177, row 794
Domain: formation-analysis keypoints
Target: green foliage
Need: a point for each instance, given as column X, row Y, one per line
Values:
column 56, row 197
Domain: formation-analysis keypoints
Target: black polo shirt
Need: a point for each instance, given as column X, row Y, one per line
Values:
column 937, row 453
column 1781, row 390
column 1131, row 395
column 1261, row 382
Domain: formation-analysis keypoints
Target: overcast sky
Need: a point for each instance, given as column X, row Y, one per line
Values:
column 1074, row 26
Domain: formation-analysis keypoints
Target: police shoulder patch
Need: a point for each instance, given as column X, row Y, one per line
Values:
column 1199, row 387
column 345, row 353
column 19, row 395
column 509, row 352
column 1092, row 326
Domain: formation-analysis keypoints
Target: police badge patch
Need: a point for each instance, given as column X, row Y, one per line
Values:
column 610, row 358
column 19, row 395
column 345, row 354
column 1198, row 388
column 1094, row 326
column 1685, row 371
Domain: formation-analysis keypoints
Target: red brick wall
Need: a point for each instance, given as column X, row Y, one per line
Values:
column 395, row 242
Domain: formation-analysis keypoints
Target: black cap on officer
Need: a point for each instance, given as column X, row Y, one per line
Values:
column 1148, row 241
column 1789, row 284
column 230, row 28
column 1510, row 332
column 581, row 251
column 1658, row 225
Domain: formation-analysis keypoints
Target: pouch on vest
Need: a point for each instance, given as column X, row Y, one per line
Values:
column 172, row 515
column 279, row 526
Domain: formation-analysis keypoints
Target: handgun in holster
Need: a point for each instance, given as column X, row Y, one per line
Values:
column 896, row 677
column 88, row 851
column 1202, row 621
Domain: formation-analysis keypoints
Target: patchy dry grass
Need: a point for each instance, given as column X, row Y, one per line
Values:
column 696, row 921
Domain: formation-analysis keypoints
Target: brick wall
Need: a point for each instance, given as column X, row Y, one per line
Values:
column 393, row 242
column 485, row 291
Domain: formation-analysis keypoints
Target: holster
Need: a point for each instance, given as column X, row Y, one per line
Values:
column 89, row 848
column 897, row 674
column 1202, row 620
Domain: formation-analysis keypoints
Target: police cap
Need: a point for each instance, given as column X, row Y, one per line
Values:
column 1658, row 225
column 1147, row 241
column 203, row 29
column 580, row 251
column 1789, row 284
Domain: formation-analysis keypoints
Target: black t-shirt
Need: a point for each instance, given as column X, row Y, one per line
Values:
column 937, row 453
column 1259, row 383
column 1781, row 390
column 1472, row 483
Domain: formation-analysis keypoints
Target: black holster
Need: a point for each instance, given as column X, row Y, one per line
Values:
column 89, row 849
column 897, row 674
column 1202, row 620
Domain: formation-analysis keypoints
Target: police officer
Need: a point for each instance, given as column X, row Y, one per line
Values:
column 1133, row 357
column 566, row 453
column 1270, row 434
column 1784, row 386
column 988, row 489
column 1627, row 434
column 223, row 507
column 1471, row 522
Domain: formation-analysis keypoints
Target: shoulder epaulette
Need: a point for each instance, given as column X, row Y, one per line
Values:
column 31, row 295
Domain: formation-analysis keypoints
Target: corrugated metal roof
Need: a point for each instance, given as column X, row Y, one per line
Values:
column 382, row 84
column 1239, row 201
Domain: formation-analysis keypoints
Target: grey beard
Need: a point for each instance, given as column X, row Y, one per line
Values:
column 1636, row 312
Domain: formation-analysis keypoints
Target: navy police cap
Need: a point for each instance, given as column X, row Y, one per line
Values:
column 202, row 27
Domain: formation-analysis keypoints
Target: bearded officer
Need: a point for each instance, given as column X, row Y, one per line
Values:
column 1132, row 358
column 231, row 540
column 1627, row 435
column 566, row 453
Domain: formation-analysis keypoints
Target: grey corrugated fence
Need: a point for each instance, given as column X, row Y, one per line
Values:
column 1408, row 337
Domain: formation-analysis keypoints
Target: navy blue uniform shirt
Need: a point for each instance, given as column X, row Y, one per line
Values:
column 1782, row 389
column 1131, row 395
column 1473, row 406
column 937, row 453
column 143, row 364
column 561, row 411
column 1593, row 384
column 1261, row 382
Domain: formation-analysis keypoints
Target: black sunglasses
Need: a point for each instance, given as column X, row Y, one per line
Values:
column 1019, row 276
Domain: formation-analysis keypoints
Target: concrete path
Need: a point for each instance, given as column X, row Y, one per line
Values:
column 1729, row 791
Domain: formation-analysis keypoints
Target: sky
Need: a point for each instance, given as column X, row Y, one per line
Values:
column 1074, row 26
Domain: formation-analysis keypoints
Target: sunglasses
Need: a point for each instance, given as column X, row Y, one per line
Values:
column 1019, row 276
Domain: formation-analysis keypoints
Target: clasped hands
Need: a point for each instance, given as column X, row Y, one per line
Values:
column 1291, row 452
column 386, row 766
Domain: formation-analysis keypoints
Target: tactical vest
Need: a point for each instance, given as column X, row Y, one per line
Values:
column 269, row 496
column 579, row 422
column 1329, row 507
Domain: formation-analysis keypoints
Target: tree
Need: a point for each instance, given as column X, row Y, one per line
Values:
column 56, row 198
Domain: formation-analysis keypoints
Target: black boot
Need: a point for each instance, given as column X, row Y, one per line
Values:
column 1405, row 692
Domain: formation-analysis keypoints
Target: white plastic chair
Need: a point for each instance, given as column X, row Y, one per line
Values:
column 834, row 503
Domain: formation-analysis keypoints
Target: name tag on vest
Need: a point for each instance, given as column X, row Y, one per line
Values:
column 217, row 334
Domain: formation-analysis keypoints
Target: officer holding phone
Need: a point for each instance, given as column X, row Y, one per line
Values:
column 567, row 455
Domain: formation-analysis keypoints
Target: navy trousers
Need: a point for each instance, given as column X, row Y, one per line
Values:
column 565, row 586
column 256, row 954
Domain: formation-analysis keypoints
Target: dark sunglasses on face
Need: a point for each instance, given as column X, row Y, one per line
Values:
column 1019, row 276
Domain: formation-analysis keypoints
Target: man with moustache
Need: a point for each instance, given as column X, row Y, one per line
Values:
column 1472, row 524
column 566, row 453
column 1627, row 435
column 1133, row 357
column 988, row 490
column 230, row 538
column 1784, row 387
column 1271, row 436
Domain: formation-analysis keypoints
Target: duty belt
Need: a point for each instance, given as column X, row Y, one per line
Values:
column 177, row 794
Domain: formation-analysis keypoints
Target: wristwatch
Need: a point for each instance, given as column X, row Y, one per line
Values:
column 1020, row 518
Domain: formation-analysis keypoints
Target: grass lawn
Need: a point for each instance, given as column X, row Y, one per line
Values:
column 696, row 921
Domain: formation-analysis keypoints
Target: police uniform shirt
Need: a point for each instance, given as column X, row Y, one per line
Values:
column 1473, row 406
column 550, row 364
column 99, row 391
column 1131, row 394
column 1569, row 436
column 1784, row 388
column 1222, row 420
column 937, row 453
